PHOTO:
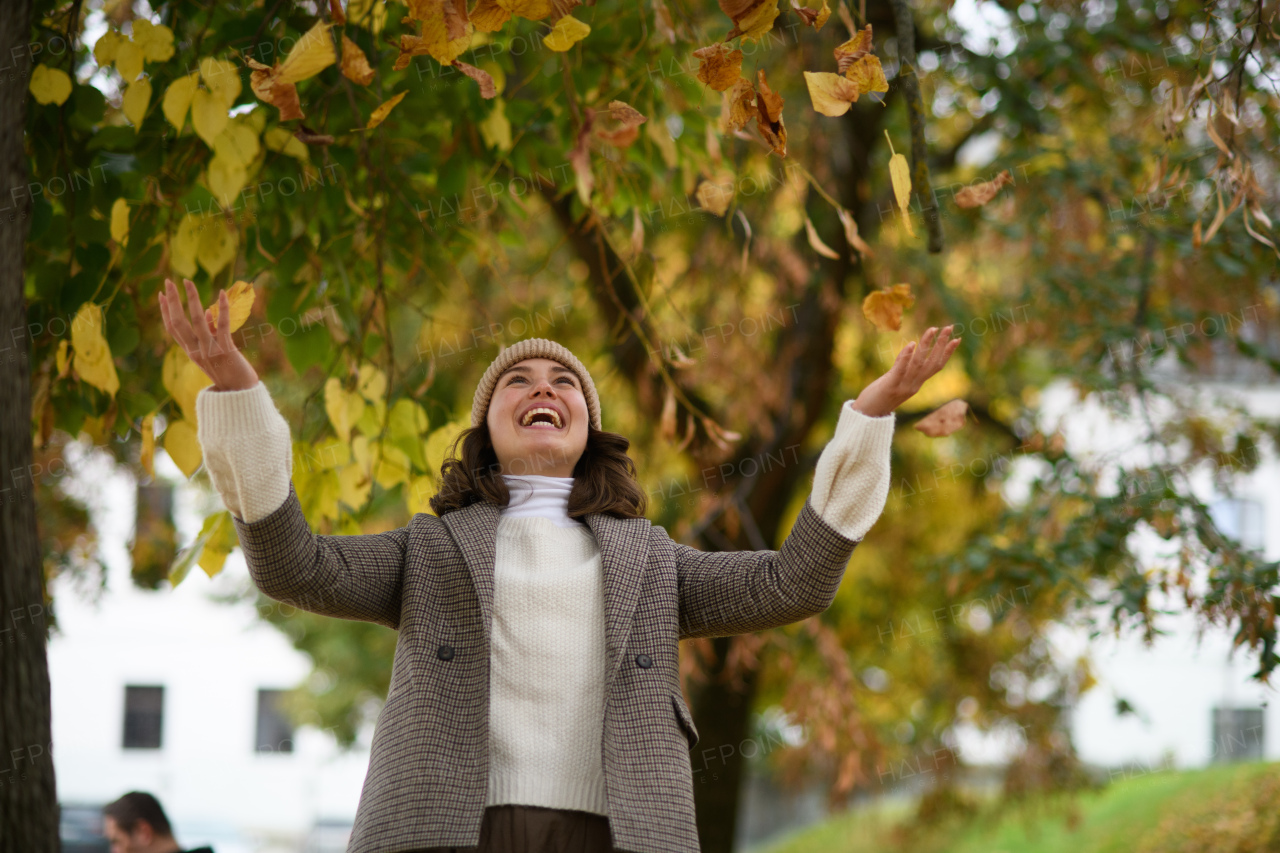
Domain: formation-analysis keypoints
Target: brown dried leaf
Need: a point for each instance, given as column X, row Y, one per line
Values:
column 355, row 66
column 335, row 12
column 944, row 420
column 714, row 197
column 488, row 88
column 979, row 194
column 769, row 115
column 851, row 233
column 739, row 105
column 884, row 307
column 813, row 18
column 282, row 96
column 628, row 120
column 751, row 18
column 580, row 158
column 854, row 49
column 488, row 16
column 718, row 66
column 663, row 22
column 815, row 242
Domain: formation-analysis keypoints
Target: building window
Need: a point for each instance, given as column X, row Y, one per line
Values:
column 1240, row 520
column 275, row 729
column 143, row 716
column 1239, row 734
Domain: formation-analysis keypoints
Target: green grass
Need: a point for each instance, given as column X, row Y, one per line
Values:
column 1110, row 820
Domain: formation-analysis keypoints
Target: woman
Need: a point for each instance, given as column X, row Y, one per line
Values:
column 535, row 699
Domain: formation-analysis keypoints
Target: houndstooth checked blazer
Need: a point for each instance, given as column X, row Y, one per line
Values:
column 433, row 582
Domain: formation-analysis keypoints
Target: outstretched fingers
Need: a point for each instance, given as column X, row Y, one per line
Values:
column 176, row 321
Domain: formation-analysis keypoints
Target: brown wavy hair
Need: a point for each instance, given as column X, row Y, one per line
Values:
column 604, row 477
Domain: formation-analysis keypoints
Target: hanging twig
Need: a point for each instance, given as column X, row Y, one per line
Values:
column 910, row 82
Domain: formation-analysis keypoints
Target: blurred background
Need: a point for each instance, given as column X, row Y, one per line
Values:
column 1060, row 634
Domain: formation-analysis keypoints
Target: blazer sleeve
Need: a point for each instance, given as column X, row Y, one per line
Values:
column 249, row 455
column 723, row 593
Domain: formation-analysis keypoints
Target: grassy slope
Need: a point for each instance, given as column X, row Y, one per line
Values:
column 1111, row 820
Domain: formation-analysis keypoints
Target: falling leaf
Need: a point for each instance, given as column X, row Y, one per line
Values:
column 855, row 48
column 343, row 407
column 884, row 307
column 355, row 65
column 496, row 129
column 148, row 455
column 137, row 97
column 50, row 85
column 667, row 422
column 310, row 55
column 92, row 356
column 900, row 176
column 567, row 32
column 815, row 242
column 769, row 115
column 867, row 75
column 240, row 296
column 183, row 446
column 383, row 109
column 580, row 159
column 831, row 94
column 208, row 115
column 945, row 420
column 177, row 99
column 714, row 197
column 813, row 18
column 155, row 40
column 751, row 18
column 487, row 87
column 851, row 234
column 637, row 233
column 129, row 59
column 120, row 221
column 719, row 66
column 433, row 39
column 628, row 119
column 738, row 105
column 663, row 22
column 979, row 194
column 488, row 16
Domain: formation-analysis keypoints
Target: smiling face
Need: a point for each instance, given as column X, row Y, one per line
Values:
column 538, row 419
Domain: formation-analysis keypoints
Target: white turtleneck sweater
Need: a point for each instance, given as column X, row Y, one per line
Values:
column 546, row 706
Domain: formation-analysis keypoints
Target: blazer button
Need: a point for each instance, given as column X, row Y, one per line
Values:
column 445, row 652
column 644, row 661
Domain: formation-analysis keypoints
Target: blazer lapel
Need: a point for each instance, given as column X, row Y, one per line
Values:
column 624, row 555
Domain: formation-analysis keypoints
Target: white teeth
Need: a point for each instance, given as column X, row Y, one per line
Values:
column 528, row 416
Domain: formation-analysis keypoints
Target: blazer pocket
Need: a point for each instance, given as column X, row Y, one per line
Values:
column 685, row 719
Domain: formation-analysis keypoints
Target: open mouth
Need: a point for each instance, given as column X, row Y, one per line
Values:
column 542, row 418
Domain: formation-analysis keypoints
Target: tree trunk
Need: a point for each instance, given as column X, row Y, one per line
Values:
column 28, row 798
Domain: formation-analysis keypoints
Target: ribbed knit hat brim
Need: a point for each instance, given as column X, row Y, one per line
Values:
column 532, row 348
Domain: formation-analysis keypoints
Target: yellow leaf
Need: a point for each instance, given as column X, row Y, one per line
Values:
column 184, row 380
column 238, row 142
column 312, row 54
column 370, row 14
column 439, row 443
column 177, row 99
column 355, row 65
column 354, row 485
column 279, row 139
column 496, row 128
column 148, row 455
column 223, row 79
column 719, row 66
column 217, row 245
column 63, row 357
column 815, row 242
column 945, row 420
column 867, row 74
column 418, row 493
column 343, row 407
column 120, row 221
column 92, row 358
column 371, row 383
column 831, row 93
column 156, row 40
column 226, row 178
column 567, row 32
column 714, row 197
column 50, row 85
column 184, row 245
column 488, row 16
column 104, row 49
column 208, row 115
column 900, row 176
column 137, row 97
column 756, row 21
column 884, row 307
column 183, row 446
column 376, row 117
column 129, row 60
column 534, row 10
column 391, row 466
column 240, row 296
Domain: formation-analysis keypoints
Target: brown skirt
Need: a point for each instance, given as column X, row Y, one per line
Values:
column 535, row 829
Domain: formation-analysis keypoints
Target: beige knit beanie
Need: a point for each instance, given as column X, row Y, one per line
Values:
column 532, row 348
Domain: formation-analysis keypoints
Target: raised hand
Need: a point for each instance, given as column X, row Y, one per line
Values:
column 205, row 342
column 909, row 371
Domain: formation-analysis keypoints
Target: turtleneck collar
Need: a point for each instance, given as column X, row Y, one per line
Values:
column 536, row 496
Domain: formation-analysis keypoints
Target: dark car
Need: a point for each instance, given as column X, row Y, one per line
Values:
column 80, row 828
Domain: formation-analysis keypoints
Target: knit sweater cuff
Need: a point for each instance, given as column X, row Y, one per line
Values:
column 851, row 479
column 248, row 449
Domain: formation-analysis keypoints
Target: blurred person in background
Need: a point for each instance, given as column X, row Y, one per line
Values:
column 136, row 823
